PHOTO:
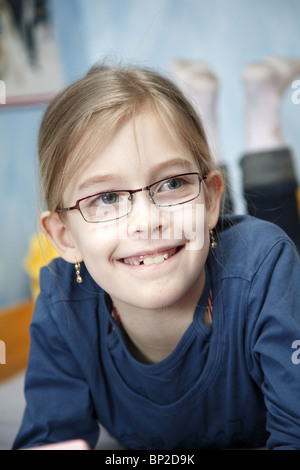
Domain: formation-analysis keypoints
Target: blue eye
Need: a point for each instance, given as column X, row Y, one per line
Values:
column 171, row 184
column 104, row 199
column 108, row 198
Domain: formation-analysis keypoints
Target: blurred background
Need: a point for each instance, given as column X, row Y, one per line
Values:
column 46, row 45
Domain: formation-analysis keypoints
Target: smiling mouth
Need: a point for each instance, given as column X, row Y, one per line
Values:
column 153, row 258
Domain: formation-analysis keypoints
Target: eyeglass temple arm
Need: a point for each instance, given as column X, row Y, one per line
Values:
column 65, row 209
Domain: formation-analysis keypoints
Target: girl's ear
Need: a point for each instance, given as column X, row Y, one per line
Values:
column 214, row 191
column 60, row 236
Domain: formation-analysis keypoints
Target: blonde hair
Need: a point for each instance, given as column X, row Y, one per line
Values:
column 82, row 117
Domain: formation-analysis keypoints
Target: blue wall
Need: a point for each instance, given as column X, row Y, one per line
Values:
column 228, row 34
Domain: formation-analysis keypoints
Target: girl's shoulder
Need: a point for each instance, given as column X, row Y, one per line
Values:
column 249, row 226
column 58, row 282
column 249, row 231
column 246, row 242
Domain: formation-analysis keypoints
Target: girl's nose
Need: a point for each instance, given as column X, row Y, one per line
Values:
column 145, row 220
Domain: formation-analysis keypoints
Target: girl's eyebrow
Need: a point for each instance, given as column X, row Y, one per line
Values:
column 174, row 163
column 96, row 180
column 180, row 163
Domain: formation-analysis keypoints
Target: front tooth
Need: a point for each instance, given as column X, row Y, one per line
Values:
column 159, row 259
column 156, row 260
column 148, row 261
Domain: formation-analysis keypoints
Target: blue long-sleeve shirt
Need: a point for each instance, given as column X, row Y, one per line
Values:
column 236, row 384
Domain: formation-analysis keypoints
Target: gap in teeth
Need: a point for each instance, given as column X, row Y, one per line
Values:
column 158, row 259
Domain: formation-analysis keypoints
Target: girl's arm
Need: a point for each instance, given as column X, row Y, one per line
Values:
column 274, row 318
column 59, row 407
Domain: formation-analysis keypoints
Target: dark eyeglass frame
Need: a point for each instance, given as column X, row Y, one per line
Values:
column 131, row 192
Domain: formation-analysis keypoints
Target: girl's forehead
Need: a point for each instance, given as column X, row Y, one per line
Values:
column 138, row 152
column 144, row 142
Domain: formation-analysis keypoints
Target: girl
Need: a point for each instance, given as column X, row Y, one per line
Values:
column 172, row 327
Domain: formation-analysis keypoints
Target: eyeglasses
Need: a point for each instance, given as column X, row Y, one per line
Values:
column 111, row 205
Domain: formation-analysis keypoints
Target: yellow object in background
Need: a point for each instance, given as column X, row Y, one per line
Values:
column 40, row 253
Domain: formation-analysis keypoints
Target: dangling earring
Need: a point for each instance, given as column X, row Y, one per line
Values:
column 213, row 242
column 77, row 268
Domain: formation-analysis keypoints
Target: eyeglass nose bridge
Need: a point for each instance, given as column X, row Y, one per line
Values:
column 148, row 191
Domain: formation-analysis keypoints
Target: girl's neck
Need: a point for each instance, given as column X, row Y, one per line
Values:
column 152, row 335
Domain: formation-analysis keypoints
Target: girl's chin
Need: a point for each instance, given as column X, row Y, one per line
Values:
column 160, row 296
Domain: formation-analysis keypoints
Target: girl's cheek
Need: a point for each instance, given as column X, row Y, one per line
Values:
column 110, row 232
column 96, row 243
column 189, row 223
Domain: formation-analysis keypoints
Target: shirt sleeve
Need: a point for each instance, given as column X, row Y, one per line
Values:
column 274, row 349
column 59, row 406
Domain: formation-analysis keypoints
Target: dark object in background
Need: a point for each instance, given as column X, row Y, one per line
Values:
column 270, row 186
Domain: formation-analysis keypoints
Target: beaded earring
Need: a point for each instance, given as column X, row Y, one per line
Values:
column 213, row 242
column 77, row 269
